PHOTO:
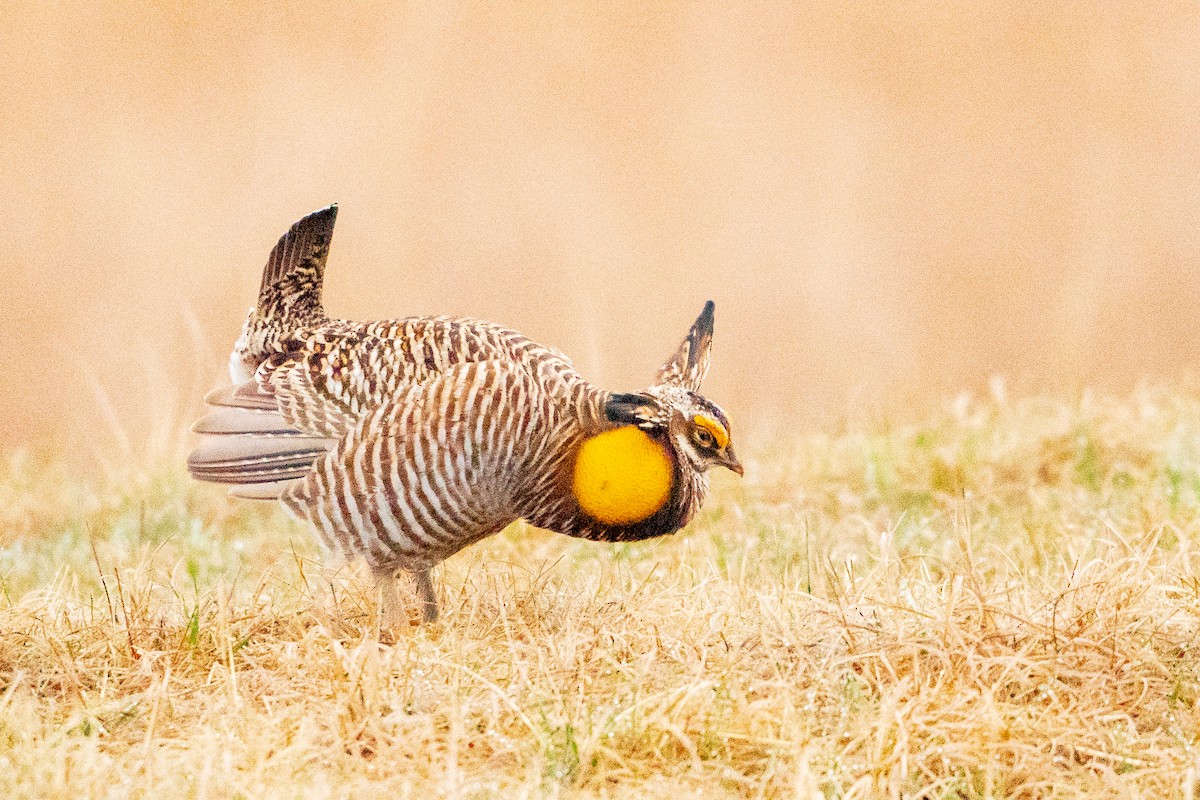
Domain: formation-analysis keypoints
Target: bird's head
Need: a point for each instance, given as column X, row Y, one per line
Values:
column 672, row 409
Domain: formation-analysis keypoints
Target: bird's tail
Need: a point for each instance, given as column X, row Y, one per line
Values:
column 247, row 442
column 290, row 295
column 291, row 282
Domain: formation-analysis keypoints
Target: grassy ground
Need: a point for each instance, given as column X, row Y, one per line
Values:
column 1002, row 600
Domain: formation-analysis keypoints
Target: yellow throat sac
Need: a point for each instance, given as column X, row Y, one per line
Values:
column 622, row 476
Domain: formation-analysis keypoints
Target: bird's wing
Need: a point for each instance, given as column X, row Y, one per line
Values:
column 271, row 429
column 267, row 432
column 428, row 472
column 312, row 397
column 249, row 443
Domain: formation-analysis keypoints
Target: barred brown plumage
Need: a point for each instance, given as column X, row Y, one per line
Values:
column 404, row 441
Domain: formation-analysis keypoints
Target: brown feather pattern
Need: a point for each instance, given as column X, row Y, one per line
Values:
column 404, row 441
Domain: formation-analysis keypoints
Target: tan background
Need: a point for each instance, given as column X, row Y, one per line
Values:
column 887, row 203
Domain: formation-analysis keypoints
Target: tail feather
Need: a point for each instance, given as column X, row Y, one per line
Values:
column 247, row 440
column 291, row 283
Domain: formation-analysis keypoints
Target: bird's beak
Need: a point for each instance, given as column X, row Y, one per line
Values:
column 731, row 460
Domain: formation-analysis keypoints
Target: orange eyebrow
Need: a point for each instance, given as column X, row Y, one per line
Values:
column 715, row 428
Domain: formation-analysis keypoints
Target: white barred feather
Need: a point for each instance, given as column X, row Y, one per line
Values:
column 403, row 441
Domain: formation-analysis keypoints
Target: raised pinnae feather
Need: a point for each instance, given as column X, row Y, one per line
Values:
column 689, row 364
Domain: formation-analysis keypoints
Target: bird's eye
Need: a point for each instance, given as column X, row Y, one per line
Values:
column 703, row 438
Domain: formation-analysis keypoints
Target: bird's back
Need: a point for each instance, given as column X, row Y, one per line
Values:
column 326, row 377
column 303, row 381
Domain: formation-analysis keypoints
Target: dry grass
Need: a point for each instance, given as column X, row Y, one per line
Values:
column 1001, row 601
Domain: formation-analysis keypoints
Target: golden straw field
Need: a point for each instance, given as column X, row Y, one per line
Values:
column 999, row 598
column 953, row 249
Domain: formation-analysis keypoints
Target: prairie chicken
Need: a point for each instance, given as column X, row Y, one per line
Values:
column 404, row 441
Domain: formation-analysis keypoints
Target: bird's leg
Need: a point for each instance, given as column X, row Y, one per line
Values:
column 389, row 598
column 429, row 603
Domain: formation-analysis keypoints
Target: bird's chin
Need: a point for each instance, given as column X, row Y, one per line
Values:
column 707, row 466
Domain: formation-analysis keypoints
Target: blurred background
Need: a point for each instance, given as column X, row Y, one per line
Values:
column 888, row 202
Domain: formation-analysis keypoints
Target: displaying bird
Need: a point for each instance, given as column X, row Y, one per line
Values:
column 406, row 440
